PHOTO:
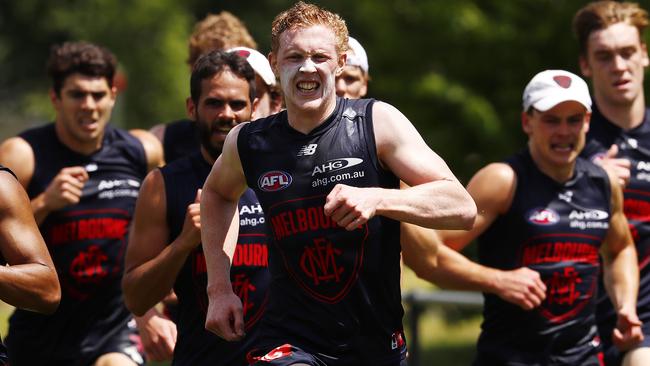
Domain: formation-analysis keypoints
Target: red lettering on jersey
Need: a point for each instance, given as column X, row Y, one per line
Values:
column 300, row 221
column 84, row 229
column 553, row 252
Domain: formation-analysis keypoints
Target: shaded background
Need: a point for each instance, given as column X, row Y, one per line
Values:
column 456, row 69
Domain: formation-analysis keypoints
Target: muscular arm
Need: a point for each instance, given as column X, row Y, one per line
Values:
column 151, row 266
column 492, row 188
column 221, row 192
column 621, row 271
column 436, row 199
column 30, row 281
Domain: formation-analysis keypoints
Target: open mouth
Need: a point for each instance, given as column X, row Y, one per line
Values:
column 307, row 86
column 563, row 148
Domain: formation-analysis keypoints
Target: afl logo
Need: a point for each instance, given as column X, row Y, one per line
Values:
column 275, row 180
column 543, row 216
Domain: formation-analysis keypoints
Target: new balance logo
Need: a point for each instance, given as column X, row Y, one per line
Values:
column 307, row 150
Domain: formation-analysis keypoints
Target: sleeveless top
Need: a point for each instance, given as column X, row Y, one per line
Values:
column 87, row 242
column 555, row 229
column 248, row 274
column 181, row 139
column 333, row 291
column 633, row 145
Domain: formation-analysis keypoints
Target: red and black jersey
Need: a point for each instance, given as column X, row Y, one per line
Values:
column 248, row 274
column 555, row 229
column 333, row 292
column 634, row 145
column 87, row 242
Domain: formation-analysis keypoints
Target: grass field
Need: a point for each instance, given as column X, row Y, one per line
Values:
column 447, row 334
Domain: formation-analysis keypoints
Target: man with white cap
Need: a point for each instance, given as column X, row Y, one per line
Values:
column 164, row 248
column 550, row 211
column 352, row 82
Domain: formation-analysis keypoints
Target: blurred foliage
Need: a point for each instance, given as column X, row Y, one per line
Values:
column 456, row 69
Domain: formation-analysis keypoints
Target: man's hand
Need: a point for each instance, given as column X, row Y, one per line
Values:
column 158, row 335
column 619, row 167
column 350, row 207
column 628, row 332
column 522, row 287
column 191, row 231
column 225, row 316
column 66, row 188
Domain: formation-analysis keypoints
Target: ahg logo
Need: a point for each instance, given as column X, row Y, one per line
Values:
column 336, row 164
column 274, row 181
column 543, row 216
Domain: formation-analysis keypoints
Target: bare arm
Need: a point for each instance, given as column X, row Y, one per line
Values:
column 435, row 199
column 492, row 188
column 159, row 131
column 65, row 189
column 220, row 218
column 621, row 272
column 30, row 281
column 152, row 148
column 151, row 265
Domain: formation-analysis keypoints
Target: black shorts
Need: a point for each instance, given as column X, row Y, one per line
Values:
column 125, row 341
column 287, row 355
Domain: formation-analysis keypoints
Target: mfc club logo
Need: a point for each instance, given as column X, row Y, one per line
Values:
column 543, row 216
column 89, row 266
column 273, row 181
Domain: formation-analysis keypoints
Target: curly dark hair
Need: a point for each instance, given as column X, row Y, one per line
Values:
column 80, row 57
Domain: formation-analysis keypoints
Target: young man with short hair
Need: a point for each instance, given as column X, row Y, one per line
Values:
column 614, row 56
column 329, row 187
column 164, row 248
column 82, row 176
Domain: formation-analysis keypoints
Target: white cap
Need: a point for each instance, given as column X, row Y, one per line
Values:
column 552, row 87
column 258, row 62
column 358, row 57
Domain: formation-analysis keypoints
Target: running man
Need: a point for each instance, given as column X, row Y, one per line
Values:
column 547, row 210
column 329, row 187
column 82, row 176
column 614, row 55
column 164, row 250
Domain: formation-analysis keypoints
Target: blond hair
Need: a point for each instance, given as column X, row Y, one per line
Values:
column 218, row 32
column 303, row 15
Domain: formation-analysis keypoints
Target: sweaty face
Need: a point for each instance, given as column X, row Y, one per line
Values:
column 83, row 108
column 352, row 83
column 306, row 62
column 556, row 137
column 615, row 62
column 224, row 103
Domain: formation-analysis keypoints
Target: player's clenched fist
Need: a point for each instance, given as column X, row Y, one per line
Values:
column 351, row 207
column 225, row 316
column 191, row 232
column 66, row 188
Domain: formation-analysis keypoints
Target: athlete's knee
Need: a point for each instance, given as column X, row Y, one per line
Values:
column 114, row 359
column 637, row 357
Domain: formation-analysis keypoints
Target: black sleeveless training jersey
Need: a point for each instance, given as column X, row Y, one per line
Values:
column 333, row 292
column 555, row 229
column 634, row 145
column 181, row 139
column 87, row 242
column 249, row 273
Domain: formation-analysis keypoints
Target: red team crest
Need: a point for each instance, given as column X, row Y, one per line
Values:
column 323, row 258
